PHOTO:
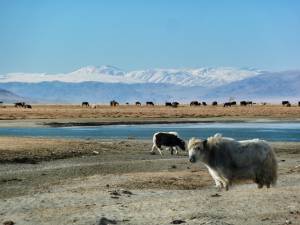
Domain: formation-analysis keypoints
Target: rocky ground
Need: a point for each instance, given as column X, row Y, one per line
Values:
column 119, row 182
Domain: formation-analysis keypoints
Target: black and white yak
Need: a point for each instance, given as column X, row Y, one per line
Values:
column 168, row 139
column 228, row 160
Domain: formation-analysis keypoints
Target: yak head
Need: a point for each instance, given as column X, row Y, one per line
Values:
column 197, row 149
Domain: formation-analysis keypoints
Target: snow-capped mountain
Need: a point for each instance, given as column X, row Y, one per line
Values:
column 205, row 77
column 102, row 84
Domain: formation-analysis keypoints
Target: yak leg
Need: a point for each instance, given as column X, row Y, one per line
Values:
column 153, row 148
column 171, row 150
column 260, row 186
column 160, row 151
column 216, row 178
column 176, row 150
column 219, row 184
column 225, row 182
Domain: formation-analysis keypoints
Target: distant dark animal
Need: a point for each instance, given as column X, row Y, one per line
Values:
column 114, row 103
column 149, row 104
column 233, row 103
column 285, row 103
column 204, row 104
column 175, row 104
column 227, row 104
column 27, row 106
column 1, row 102
column 243, row 103
column 215, row 103
column 138, row 103
column 168, row 104
column 298, row 103
column 195, row 103
column 168, row 139
column 19, row 104
column 127, row 103
column 229, row 160
column 85, row 104
column 264, row 103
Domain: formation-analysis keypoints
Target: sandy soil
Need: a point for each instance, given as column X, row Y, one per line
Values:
column 144, row 113
column 122, row 183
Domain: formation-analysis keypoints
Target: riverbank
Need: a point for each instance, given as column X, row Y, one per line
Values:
column 122, row 182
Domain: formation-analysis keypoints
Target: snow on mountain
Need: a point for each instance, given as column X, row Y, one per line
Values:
column 206, row 77
column 90, row 73
column 266, row 86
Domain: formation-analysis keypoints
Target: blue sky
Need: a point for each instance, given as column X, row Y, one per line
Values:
column 61, row 35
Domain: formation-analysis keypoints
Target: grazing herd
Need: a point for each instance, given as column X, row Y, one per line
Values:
column 226, row 159
column 22, row 105
column 229, row 104
column 174, row 104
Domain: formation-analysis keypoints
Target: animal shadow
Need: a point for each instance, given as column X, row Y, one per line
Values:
column 105, row 221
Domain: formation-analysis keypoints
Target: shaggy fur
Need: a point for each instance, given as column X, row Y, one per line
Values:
column 228, row 160
column 168, row 139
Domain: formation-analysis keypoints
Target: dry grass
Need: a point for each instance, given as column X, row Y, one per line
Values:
column 143, row 112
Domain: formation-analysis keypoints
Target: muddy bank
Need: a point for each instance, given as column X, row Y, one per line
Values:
column 132, row 122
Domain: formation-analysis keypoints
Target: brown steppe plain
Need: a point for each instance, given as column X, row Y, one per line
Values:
column 131, row 112
column 97, row 182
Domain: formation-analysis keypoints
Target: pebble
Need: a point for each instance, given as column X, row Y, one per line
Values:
column 9, row 222
column 177, row 222
column 216, row 195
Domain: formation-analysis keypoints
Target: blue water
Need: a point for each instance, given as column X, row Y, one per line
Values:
column 270, row 131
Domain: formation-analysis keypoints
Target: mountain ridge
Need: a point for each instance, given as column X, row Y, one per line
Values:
column 159, row 85
column 9, row 97
column 211, row 77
